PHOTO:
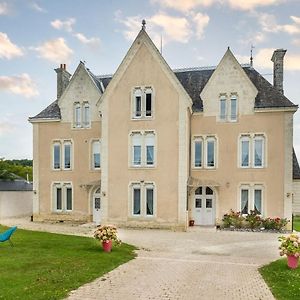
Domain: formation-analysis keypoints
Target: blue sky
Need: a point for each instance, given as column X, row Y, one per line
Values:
column 36, row 36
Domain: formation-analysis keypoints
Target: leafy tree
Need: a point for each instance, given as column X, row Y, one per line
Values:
column 12, row 169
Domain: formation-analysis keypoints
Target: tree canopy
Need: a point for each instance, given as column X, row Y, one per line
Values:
column 12, row 169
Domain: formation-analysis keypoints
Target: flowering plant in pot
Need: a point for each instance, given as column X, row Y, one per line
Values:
column 290, row 246
column 107, row 234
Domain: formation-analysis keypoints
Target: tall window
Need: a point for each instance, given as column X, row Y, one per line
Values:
column 252, row 199
column 210, row 152
column 204, row 146
column 62, row 155
column 96, row 155
column 62, row 197
column 56, row 155
column 142, row 106
column 67, row 155
column 198, row 152
column 223, row 109
column 233, row 108
column 77, row 115
column 252, row 151
column 143, row 149
column 228, row 110
column 86, row 115
column 149, row 143
column 143, row 199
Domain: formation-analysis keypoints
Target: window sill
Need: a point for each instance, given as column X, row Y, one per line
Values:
column 142, row 167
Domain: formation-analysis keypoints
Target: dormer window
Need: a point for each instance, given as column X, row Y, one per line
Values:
column 228, row 108
column 82, row 118
column 142, row 104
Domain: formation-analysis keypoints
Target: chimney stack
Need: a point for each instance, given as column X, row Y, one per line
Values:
column 277, row 59
column 63, row 78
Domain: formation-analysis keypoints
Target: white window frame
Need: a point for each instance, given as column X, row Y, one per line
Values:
column 209, row 139
column 143, row 147
column 142, row 91
column 86, row 119
column 252, row 137
column 258, row 137
column 252, row 187
column 197, row 140
column 56, row 143
column 233, row 97
column 65, row 143
column 64, row 186
column 143, row 187
column 93, row 153
column 77, row 119
column 222, row 117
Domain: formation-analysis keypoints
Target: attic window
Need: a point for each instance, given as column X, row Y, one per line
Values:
column 142, row 103
column 81, row 115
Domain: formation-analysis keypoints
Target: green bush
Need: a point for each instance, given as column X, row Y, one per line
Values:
column 233, row 219
column 253, row 220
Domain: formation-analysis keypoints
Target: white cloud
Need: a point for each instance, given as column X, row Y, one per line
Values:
column 184, row 5
column 64, row 25
column 8, row 50
column 263, row 60
column 4, row 8
column 20, row 84
column 187, row 5
column 55, row 50
column 201, row 21
column 92, row 42
column 251, row 4
column 6, row 128
column 37, row 7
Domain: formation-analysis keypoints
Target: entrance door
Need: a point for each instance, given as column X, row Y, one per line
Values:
column 204, row 206
column 97, row 207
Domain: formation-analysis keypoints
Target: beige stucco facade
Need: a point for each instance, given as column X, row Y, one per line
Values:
column 172, row 176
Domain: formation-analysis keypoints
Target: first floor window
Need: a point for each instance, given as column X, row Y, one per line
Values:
column 143, row 199
column 56, row 155
column 143, row 149
column 252, row 151
column 198, row 153
column 252, row 199
column 210, row 152
column 63, row 197
column 96, row 155
column 67, row 155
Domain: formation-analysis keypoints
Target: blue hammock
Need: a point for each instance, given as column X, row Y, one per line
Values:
column 5, row 236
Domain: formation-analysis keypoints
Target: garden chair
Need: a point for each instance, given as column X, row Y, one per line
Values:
column 5, row 236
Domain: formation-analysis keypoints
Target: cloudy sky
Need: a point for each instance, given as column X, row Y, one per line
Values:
column 36, row 36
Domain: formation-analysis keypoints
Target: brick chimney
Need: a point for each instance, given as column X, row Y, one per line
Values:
column 63, row 78
column 277, row 59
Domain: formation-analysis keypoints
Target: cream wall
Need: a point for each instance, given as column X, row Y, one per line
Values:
column 143, row 70
column 15, row 204
column 80, row 174
column 229, row 175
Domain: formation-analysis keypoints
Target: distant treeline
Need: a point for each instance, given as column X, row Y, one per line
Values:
column 12, row 169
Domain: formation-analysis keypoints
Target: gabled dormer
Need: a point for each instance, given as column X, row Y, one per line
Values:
column 229, row 93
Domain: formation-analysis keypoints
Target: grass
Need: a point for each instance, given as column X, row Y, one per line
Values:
column 296, row 223
column 283, row 282
column 48, row 266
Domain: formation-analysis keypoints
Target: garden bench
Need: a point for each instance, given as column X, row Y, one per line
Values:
column 5, row 236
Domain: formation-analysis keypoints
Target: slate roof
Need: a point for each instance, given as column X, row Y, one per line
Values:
column 50, row 112
column 296, row 168
column 15, row 185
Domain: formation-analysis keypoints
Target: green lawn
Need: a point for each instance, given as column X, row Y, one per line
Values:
column 297, row 223
column 283, row 282
column 48, row 266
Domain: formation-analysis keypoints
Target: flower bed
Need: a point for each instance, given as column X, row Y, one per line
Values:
column 252, row 222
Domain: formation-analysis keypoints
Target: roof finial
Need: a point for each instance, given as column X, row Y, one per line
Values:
column 251, row 56
column 143, row 24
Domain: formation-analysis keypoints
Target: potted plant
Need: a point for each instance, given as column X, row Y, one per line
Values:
column 107, row 234
column 290, row 246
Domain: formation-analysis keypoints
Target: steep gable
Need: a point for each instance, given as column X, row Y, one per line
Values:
column 228, row 78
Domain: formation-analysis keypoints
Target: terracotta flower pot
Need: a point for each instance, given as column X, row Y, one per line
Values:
column 292, row 261
column 107, row 245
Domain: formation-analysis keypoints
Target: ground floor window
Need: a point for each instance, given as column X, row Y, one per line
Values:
column 62, row 196
column 142, row 199
column 251, row 199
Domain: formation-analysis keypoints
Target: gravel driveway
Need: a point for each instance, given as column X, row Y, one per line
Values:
column 198, row 264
